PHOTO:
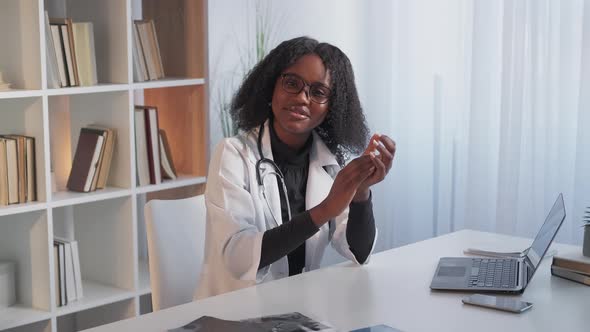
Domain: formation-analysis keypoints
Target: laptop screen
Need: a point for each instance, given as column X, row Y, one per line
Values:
column 547, row 232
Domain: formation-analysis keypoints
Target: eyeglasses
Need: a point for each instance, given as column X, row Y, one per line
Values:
column 317, row 92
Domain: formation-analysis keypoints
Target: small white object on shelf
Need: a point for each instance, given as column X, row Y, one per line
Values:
column 7, row 295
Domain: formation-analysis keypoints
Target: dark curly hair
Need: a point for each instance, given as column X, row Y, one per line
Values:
column 344, row 130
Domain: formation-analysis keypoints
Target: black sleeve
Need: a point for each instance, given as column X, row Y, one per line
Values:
column 360, row 230
column 279, row 241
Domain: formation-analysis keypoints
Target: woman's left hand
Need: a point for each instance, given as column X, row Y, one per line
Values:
column 382, row 164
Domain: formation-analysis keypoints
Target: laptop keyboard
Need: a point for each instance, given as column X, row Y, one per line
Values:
column 493, row 273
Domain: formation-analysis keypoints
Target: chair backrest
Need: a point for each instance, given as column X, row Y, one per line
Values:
column 176, row 244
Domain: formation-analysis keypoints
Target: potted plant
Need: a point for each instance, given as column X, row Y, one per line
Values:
column 251, row 49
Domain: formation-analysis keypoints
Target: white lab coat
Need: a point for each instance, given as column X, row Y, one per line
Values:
column 237, row 214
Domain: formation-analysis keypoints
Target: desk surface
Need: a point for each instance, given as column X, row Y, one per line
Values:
column 392, row 289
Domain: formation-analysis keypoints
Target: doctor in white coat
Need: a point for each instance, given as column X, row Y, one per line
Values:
column 280, row 191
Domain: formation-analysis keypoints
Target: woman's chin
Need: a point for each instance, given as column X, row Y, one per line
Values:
column 298, row 127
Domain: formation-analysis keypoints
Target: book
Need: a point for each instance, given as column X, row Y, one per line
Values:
column 11, row 169
column 56, row 271
column 21, row 146
column 68, row 48
column 85, row 161
column 31, row 169
column 67, row 35
column 93, row 172
column 3, row 173
column 22, row 175
column 156, row 49
column 570, row 275
column 77, row 271
column 59, row 55
column 168, row 170
column 69, row 54
column 145, row 32
column 574, row 261
column 62, row 274
column 141, row 157
column 70, row 283
column 153, row 144
column 4, row 86
column 106, row 159
column 18, row 160
column 73, row 281
column 149, row 49
column 140, row 73
column 104, row 134
column 53, row 76
column 83, row 34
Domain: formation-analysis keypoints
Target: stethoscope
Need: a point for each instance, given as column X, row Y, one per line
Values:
column 276, row 172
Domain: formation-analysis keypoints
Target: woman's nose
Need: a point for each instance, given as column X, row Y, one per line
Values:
column 303, row 95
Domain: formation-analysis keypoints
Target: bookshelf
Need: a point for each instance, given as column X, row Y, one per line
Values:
column 108, row 223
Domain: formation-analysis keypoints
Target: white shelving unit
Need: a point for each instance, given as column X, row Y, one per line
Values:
column 108, row 224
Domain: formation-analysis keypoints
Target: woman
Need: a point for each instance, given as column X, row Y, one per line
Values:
column 278, row 192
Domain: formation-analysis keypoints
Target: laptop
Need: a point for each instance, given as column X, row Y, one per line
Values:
column 499, row 275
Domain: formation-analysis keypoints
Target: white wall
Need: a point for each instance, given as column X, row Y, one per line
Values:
column 342, row 23
column 444, row 79
column 232, row 27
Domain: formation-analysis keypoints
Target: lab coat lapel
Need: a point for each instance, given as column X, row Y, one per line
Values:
column 319, row 182
column 271, row 184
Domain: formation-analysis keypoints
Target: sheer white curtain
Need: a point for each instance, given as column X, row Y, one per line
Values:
column 489, row 102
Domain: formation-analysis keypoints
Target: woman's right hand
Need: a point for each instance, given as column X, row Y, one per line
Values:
column 343, row 189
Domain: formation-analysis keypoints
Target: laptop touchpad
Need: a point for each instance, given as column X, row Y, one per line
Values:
column 451, row 271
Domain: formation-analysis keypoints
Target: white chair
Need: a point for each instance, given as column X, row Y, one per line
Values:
column 176, row 244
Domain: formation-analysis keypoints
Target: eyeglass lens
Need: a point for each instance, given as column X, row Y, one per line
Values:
column 317, row 92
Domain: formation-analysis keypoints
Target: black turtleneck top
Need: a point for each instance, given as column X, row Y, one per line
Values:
column 289, row 237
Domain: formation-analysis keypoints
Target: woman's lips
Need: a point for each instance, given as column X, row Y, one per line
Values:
column 299, row 113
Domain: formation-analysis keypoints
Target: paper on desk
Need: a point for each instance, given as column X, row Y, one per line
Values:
column 289, row 322
column 377, row 328
column 504, row 254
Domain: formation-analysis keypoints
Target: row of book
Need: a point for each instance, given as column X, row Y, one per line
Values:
column 153, row 157
column 17, row 169
column 575, row 267
column 68, row 279
column 147, row 62
column 92, row 160
column 71, row 59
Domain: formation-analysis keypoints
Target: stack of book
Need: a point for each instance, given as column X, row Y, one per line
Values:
column 71, row 59
column 153, row 157
column 18, row 172
column 147, row 62
column 68, row 279
column 92, row 160
column 572, row 266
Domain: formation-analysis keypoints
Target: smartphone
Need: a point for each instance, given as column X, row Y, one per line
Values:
column 499, row 303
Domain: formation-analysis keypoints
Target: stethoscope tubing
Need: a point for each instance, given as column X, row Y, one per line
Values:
column 276, row 172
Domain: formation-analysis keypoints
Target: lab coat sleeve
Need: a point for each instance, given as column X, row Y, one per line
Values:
column 231, row 230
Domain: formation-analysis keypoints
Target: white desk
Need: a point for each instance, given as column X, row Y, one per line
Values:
column 392, row 289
